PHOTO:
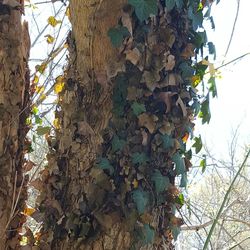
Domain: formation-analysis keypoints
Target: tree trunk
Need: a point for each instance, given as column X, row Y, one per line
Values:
column 85, row 112
column 14, row 101
column 94, row 204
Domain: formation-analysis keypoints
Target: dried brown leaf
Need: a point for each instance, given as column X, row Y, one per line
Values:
column 133, row 56
column 148, row 121
column 170, row 62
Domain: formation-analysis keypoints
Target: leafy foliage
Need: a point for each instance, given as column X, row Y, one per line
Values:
column 144, row 8
column 156, row 95
column 141, row 200
column 117, row 144
column 205, row 114
column 139, row 158
column 117, row 35
column 138, row 108
column 160, row 182
column 103, row 163
column 198, row 144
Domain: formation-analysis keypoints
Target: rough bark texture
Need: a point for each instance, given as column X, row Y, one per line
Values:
column 14, row 98
column 85, row 109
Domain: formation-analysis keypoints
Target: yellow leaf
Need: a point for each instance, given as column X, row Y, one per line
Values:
column 59, row 84
column 50, row 39
column 210, row 67
column 28, row 211
column 185, row 137
column 24, row 241
column 56, row 123
column 41, row 68
column 39, row 89
column 42, row 97
column 196, row 80
column 36, row 79
column 135, row 183
column 67, row 13
column 53, row 22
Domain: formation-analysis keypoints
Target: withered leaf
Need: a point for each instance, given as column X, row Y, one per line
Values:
column 133, row 56
column 170, row 63
column 148, row 121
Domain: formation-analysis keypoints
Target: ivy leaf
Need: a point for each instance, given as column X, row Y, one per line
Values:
column 196, row 106
column 160, row 182
column 211, row 49
column 138, row 108
column 119, row 95
column 140, row 199
column 175, row 231
column 144, row 8
column 170, row 4
column 117, row 144
column 53, row 21
column 203, row 164
column 168, row 141
column 179, row 163
column 180, row 199
column 197, row 19
column 148, row 234
column 212, row 87
column 183, row 180
column 205, row 113
column 198, row 144
column 139, row 158
column 117, row 35
column 42, row 130
column 38, row 120
column 103, row 163
column 179, row 3
column 187, row 71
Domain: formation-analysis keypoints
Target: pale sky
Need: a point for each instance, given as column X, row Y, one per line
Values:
column 231, row 108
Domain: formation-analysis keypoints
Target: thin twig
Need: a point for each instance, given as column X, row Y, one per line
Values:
column 233, row 29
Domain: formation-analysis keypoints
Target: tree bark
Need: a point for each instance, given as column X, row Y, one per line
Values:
column 14, row 99
column 85, row 112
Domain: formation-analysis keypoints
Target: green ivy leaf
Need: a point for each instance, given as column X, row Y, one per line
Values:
column 144, row 8
column 34, row 110
column 140, row 199
column 197, row 19
column 211, row 49
column 38, row 120
column 196, row 107
column 103, row 163
column 203, row 164
column 212, row 87
column 179, row 3
column 160, row 182
column 117, row 35
column 197, row 144
column 175, row 231
column 139, row 158
column 187, row 70
column 180, row 199
column 184, row 180
column 117, row 144
column 179, row 163
column 168, row 141
column 42, row 130
column 119, row 95
column 148, row 234
column 205, row 113
column 138, row 108
column 170, row 4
